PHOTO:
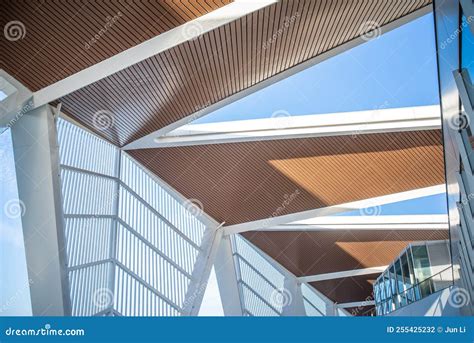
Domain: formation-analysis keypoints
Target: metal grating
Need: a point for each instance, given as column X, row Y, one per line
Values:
column 258, row 280
column 126, row 257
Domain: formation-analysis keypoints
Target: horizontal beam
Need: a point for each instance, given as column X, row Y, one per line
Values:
column 342, row 274
column 288, row 127
column 330, row 210
column 147, row 49
column 400, row 222
column 148, row 140
column 356, row 304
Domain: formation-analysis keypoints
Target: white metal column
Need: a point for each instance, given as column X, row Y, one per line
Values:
column 227, row 281
column 202, row 270
column 295, row 307
column 37, row 168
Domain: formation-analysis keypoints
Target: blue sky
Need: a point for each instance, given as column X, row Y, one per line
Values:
column 433, row 204
column 468, row 49
column 14, row 291
column 396, row 70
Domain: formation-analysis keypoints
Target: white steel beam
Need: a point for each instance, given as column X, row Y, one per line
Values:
column 315, row 125
column 342, row 274
column 36, row 156
column 149, row 48
column 393, row 222
column 371, row 203
column 202, row 270
column 466, row 91
column 18, row 100
column 149, row 139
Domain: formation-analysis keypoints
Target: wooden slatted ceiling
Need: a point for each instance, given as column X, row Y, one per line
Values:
column 346, row 290
column 307, row 253
column 320, row 252
column 241, row 182
column 57, row 32
column 176, row 83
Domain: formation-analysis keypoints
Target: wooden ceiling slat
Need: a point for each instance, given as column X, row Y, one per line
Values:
column 321, row 252
column 253, row 178
column 57, row 32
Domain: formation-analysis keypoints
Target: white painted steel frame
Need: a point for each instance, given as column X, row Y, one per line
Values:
column 36, row 157
column 448, row 31
column 465, row 177
column 291, row 127
column 326, row 211
column 388, row 222
column 205, row 250
column 342, row 274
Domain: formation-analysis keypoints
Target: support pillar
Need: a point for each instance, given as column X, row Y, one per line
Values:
column 226, row 276
column 202, row 271
column 37, row 168
column 295, row 305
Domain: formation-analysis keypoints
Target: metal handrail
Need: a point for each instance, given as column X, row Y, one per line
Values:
column 429, row 279
column 417, row 285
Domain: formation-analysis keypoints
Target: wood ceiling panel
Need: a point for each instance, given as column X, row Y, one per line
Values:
column 64, row 37
column 241, row 182
column 346, row 290
column 319, row 252
column 178, row 82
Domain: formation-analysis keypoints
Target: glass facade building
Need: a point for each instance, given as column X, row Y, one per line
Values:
column 419, row 271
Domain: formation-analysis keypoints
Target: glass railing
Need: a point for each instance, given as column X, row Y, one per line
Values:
column 435, row 283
